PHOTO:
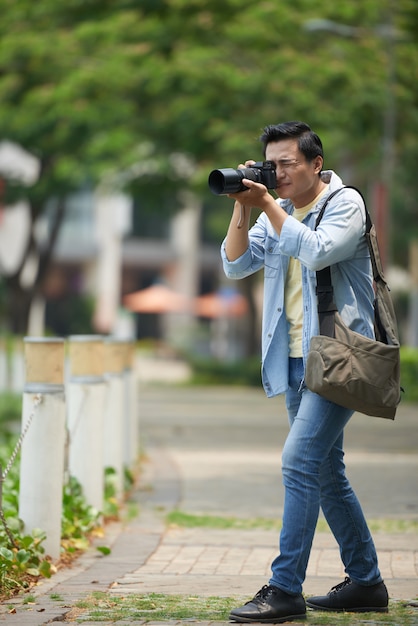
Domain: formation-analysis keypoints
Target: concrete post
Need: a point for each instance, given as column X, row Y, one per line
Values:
column 42, row 452
column 86, row 404
column 114, row 411
column 131, row 421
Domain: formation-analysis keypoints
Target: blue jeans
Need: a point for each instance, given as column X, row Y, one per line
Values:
column 314, row 476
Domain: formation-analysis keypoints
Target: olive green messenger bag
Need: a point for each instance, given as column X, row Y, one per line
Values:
column 345, row 367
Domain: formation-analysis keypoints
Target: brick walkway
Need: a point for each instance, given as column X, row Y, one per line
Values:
column 210, row 561
column 206, row 450
column 250, row 553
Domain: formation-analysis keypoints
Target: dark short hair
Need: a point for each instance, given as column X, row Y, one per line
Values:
column 308, row 142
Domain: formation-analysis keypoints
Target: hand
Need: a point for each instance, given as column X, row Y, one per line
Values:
column 256, row 195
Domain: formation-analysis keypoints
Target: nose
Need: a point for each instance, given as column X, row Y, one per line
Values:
column 280, row 172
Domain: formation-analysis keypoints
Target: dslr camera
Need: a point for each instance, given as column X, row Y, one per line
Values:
column 222, row 182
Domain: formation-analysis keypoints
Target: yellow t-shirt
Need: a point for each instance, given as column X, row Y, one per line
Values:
column 293, row 291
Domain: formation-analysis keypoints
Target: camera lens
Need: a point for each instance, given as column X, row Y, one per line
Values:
column 225, row 181
column 222, row 182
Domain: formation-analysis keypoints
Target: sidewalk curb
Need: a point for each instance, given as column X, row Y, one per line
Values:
column 131, row 545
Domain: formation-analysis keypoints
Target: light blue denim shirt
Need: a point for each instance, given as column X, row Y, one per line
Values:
column 339, row 242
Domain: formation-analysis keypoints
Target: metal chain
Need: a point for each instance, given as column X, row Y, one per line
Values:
column 37, row 401
column 6, row 528
column 70, row 434
column 80, row 414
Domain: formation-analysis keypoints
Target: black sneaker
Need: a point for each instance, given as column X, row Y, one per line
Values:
column 271, row 605
column 349, row 596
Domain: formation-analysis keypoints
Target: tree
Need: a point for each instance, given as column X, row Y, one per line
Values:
column 100, row 87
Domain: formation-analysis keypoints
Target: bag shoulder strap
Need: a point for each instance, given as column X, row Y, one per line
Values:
column 334, row 193
column 324, row 289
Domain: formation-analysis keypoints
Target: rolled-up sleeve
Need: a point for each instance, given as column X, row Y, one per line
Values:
column 253, row 258
column 240, row 268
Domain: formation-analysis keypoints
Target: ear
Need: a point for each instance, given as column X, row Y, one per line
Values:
column 318, row 163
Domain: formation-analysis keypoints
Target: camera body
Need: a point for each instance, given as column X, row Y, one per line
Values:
column 223, row 182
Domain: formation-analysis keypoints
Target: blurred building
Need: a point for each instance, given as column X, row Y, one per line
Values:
column 109, row 246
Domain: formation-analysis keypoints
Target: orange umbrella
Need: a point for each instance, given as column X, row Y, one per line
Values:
column 221, row 304
column 156, row 299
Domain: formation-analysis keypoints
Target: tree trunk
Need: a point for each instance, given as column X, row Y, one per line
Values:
column 17, row 307
column 18, row 298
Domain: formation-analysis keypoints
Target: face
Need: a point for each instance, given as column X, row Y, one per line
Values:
column 297, row 179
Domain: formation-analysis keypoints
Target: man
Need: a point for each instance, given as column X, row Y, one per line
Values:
column 284, row 242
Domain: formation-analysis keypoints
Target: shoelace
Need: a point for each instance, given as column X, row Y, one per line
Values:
column 345, row 582
column 263, row 594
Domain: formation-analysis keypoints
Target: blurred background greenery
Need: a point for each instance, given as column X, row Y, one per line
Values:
column 146, row 97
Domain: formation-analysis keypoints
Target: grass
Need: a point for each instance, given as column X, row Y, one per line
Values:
column 57, row 597
column 154, row 607
column 102, row 607
column 157, row 607
column 187, row 520
column 29, row 599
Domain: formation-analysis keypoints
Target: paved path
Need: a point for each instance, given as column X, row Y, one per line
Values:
column 216, row 451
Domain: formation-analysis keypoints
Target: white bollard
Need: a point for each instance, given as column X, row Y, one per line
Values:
column 131, row 428
column 114, row 411
column 42, row 452
column 86, row 397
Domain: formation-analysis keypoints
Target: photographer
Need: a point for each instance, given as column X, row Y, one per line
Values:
column 284, row 242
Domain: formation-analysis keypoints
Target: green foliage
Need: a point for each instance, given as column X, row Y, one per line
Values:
column 78, row 518
column 247, row 372
column 215, row 372
column 151, row 96
column 111, row 504
column 183, row 519
column 136, row 84
column 10, row 491
column 409, row 374
column 56, row 596
column 10, row 416
column 11, row 407
column 187, row 520
column 29, row 599
column 25, row 559
column 158, row 607
column 70, row 315
column 26, row 556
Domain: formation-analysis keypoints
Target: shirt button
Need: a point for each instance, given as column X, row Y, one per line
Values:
column 270, row 250
column 269, row 335
column 279, row 309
